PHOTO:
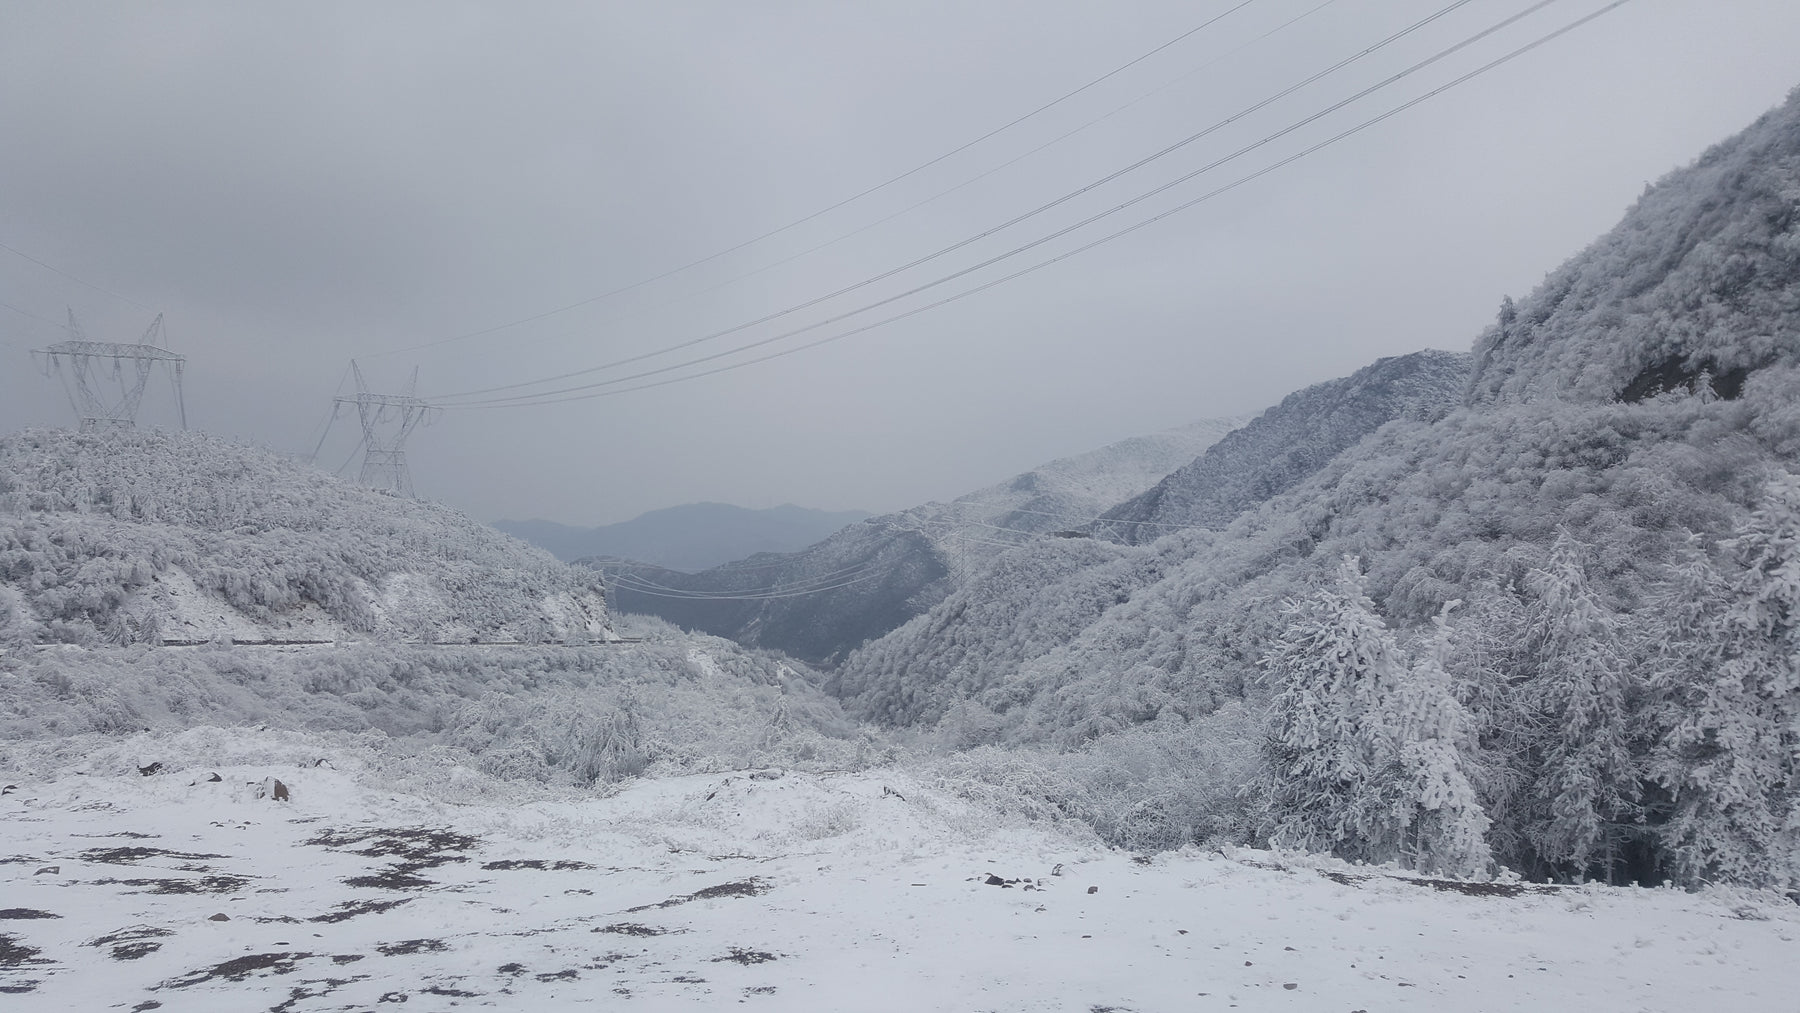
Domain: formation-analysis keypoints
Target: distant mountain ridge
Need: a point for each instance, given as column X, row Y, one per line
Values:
column 694, row 536
column 818, row 603
column 1281, row 447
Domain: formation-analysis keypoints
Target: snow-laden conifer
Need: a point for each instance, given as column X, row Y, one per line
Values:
column 1448, row 831
column 1366, row 751
column 1586, row 791
column 1728, row 707
column 1332, row 741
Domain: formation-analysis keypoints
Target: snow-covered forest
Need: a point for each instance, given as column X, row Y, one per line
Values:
column 140, row 537
column 1549, row 629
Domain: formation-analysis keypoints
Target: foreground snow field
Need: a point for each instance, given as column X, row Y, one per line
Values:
column 787, row 890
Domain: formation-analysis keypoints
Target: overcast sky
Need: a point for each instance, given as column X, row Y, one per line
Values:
column 298, row 185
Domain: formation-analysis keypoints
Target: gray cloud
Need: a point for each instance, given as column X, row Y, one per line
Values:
column 297, row 186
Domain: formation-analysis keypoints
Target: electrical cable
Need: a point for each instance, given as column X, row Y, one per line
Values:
column 626, row 585
column 587, row 391
column 1089, row 520
column 1058, row 202
column 25, row 312
column 360, row 440
column 330, row 418
column 877, row 223
column 827, row 210
column 821, row 579
column 73, row 278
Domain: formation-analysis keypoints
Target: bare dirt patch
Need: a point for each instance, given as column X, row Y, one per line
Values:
column 740, row 955
column 16, row 954
column 755, row 886
column 166, row 887
column 569, row 974
column 406, row 946
column 352, row 908
column 416, row 848
column 132, row 943
column 631, row 929
column 135, row 854
column 240, row 968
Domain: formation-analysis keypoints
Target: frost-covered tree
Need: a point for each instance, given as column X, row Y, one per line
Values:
column 1586, row 790
column 1448, row 827
column 1728, row 707
column 1331, row 745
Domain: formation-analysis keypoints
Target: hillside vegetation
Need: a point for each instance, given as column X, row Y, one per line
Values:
column 1556, row 626
column 820, row 603
column 146, row 536
column 694, row 536
column 1280, row 448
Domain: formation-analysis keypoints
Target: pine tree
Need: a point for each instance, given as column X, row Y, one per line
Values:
column 1331, row 745
column 1447, row 824
column 1489, row 659
column 1586, row 786
column 1729, row 711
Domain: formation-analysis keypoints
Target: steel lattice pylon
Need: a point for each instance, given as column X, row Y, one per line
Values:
column 387, row 420
column 91, row 396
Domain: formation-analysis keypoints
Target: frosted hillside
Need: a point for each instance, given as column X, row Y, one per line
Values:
column 1278, row 449
column 672, row 703
column 884, row 890
column 865, row 580
column 1702, row 277
column 1032, row 601
column 150, row 536
column 1557, row 632
column 694, row 536
column 813, row 604
column 1064, row 494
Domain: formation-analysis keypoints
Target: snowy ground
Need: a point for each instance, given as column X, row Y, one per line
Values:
column 866, row 891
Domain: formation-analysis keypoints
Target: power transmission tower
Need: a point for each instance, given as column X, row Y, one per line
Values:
column 387, row 420
column 100, row 366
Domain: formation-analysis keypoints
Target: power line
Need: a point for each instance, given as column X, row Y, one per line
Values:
column 73, row 278
column 842, row 237
column 819, row 579
column 1058, row 202
column 624, row 581
column 1218, row 191
column 330, row 417
column 34, row 316
column 827, row 210
column 586, row 391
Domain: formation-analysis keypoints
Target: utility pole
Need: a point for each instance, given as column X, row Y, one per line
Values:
column 387, row 420
column 98, row 367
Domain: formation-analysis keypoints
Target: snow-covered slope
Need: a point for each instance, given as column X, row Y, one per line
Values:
column 873, row 891
column 693, row 536
column 1065, row 494
column 1617, row 564
column 863, row 581
column 1703, row 276
column 670, row 703
column 149, row 536
column 1280, row 448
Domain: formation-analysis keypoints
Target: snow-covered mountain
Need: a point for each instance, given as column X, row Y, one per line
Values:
column 150, row 536
column 1566, row 632
column 865, row 580
column 689, row 537
column 1275, row 451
